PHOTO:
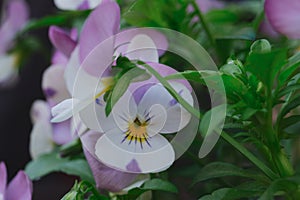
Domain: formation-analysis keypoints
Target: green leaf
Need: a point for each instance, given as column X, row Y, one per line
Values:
column 159, row 184
column 289, row 121
column 292, row 104
column 266, row 65
column 229, row 194
column 221, row 169
column 279, row 185
column 122, row 85
column 52, row 162
column 221, row 16
column 290, row 68
column 60, row 19
column 153, row 184
column 287, row 90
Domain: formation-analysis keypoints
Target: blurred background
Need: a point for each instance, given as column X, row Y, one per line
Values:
column 15, row 104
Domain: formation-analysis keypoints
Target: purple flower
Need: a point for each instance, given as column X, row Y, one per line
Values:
column 284, row 16
column 131, row 138
column 20, row 188
column 14, row 20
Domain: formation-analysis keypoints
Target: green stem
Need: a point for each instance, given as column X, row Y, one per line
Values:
column 249, row 155
column 279, row 158
column 203, row 22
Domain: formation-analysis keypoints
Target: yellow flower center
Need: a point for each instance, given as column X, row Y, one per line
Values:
column 137, row 131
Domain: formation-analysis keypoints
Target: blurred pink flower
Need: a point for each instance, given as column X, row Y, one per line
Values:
column 284, row 16
column 16, row 15
column 20, row 188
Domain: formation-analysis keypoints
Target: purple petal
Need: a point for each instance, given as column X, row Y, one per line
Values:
column 59, row 58
column 61, row 40
column 284, row 16
column 105, row 177
column 3, row 178
column 84, row 6
column 62, row 132
column 18, row 13
column 267, row 29
column 133, row 166
column 17, row 16
column 124, row 37
column 102, row 23
column 20, row 188
column 139, row 92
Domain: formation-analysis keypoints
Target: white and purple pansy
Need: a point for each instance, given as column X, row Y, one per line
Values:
column 15, row 16
column 132, row 139
column 76, row 4
column 20, row 188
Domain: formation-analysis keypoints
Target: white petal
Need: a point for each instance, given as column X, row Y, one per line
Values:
column 40, row 110
column 72, row 69
column 157, row 116
column 117, row 154
column 142, row 48
column 41, row 139
column 68, row 4
column 177, row 116
column 94, row 3
column 68, row 108
column 124, row 111
column 77, row 126
column 7, row 68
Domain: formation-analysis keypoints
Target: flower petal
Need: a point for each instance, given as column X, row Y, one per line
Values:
column 102, row 23
column 54, row 86
column 124, row 37
column 17, row 16
column 142, row 47
column 7, row 69
column 68, row 4
column 41, row 139
column 62, row 132
column 105, row 177
column 284, row 16
column 61, row 40
column 3, row 178
column 40, row 111
column 120, row 155
column 94, row 3
column 20, row 188
column 177, row 116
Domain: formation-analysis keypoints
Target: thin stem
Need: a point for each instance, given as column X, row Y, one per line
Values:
column 203, row 22
column 249, row 155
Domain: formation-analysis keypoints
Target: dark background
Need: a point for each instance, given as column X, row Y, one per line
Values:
column 15, row 104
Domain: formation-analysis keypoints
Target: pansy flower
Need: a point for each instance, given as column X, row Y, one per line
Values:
column 15, row 16
column 284, row 16
column 20, row 188
column 76, row 4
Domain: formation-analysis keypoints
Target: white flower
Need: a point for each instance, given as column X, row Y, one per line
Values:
column 132, row 141
column 76, row 4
